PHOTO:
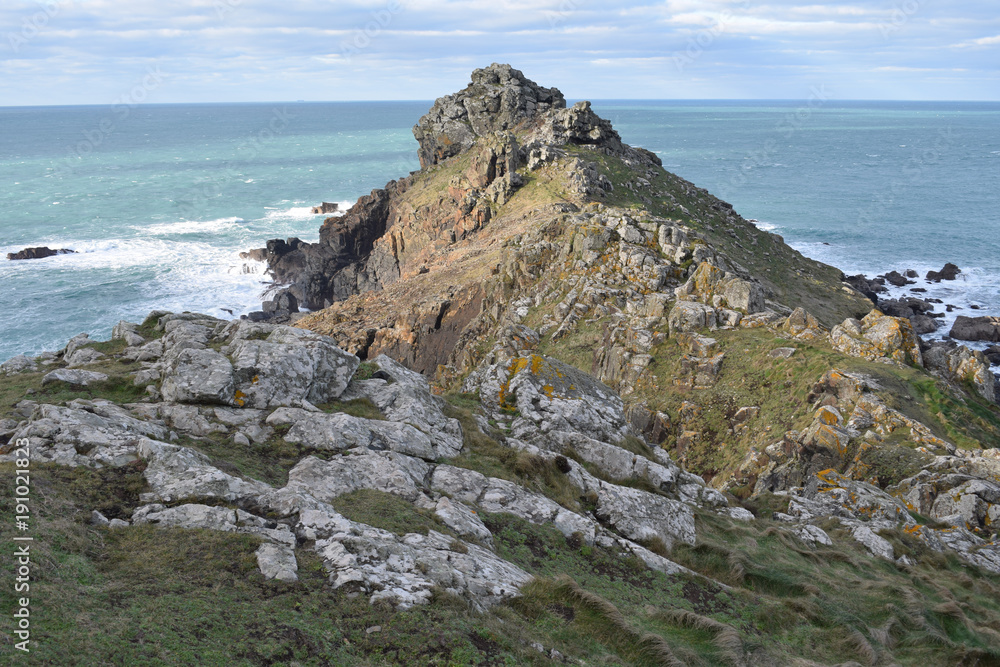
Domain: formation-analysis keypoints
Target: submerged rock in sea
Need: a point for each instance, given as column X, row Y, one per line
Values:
column 38, row 253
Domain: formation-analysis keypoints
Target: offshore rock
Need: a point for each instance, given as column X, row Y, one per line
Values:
column 37, row 253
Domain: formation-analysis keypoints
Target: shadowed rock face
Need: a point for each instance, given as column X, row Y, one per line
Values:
column 498, row 99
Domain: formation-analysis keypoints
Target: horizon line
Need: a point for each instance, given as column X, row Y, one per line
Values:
column 573, row 99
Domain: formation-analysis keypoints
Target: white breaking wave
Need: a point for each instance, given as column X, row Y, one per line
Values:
column 191, row 226
column 764, row 226
column 299, row 212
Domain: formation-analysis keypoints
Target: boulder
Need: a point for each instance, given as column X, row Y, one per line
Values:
column 19, row 364
column 499, row 495
column 545, row 395
column 180, row 473
column 802, row 325
column 711, row 284
column 198, row 376
column 403, row 395
column 289, row 366
column 642, row 516
column 277, row 561
column 389, row 472
column 82, row 356
column 87, row 433
column 70, row 376
column 339, row 432
column 38, row 253
column 688, row 316
column 983, row 328
column 223, row 519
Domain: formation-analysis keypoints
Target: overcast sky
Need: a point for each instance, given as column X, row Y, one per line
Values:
column 100, row 51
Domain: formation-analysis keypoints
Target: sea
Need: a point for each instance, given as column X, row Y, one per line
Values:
column 159, row 200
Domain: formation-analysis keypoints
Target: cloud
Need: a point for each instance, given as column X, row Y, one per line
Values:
column 85, row 51
column 982, row 41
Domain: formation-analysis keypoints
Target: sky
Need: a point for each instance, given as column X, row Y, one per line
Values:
column 111, row 51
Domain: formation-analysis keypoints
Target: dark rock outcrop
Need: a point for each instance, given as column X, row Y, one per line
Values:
column 896, row 278
column 38, row 253
column 919, row 312
column 949, row 272
column 345, row 260
column 984, row 328
column 870, row 288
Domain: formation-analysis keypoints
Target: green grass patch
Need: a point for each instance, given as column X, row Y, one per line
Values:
column 267, row 462
column 388, row 512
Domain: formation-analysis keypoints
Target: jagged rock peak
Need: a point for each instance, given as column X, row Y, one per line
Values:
column 499, row 98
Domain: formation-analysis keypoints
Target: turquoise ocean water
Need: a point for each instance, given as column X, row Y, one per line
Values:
column 160, row 199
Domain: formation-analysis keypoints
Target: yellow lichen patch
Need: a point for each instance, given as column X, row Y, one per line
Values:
column 240, row 398
column 536, row 364
column 547, row 390
column 827, row 416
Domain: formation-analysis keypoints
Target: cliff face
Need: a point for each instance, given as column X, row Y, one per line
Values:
column 642, row 431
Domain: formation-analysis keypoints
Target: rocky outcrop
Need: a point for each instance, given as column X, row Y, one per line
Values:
column 960, row 364
column 976, row 328
column 37, row 253
column 499, row 98
column 949, row 272
column 545, row 395
column 918, row 311
column 878, row 336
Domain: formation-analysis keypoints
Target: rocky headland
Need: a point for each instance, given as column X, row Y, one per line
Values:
column 552, row 404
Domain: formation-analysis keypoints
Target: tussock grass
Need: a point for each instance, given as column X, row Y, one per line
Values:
column 605, row 622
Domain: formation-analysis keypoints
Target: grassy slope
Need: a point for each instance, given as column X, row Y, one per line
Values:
column 191, row 597
column 794, row 279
